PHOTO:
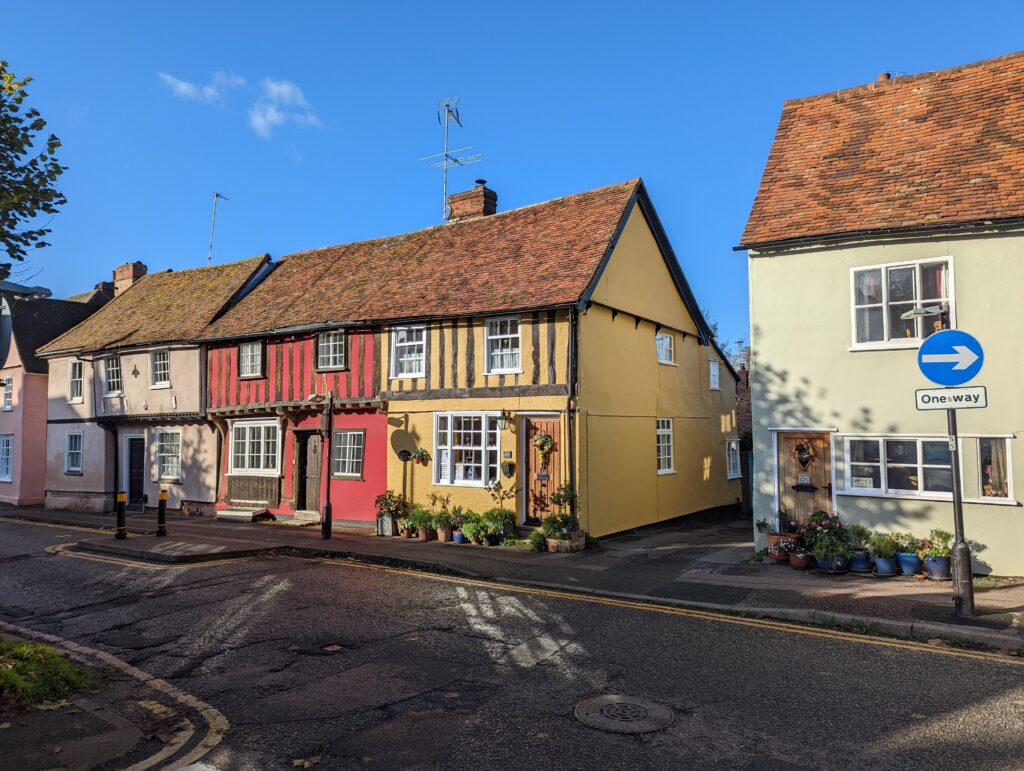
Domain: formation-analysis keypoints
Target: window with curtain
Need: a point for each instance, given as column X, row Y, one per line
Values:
column 168, row 454
column 408, row 351
column 503, row 346
column 250, row 359
column 883, row 294
column 898, row 466
column 992, row 467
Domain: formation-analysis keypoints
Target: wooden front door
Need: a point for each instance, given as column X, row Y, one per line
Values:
column 308, row 482
column 543, row 472
column 136, row 471
column 805, row 474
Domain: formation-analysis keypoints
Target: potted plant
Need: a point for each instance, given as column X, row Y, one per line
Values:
column 786, row 529
column 780, row 551
column 407, row 526
column 907, row 553
column 420, row 456
column 537, row 541
column 562, row 530
column 504, row 519
column 423, row 522
column 883, row 548
column 799, row 557
column 936, row 550
column 492, row 528
column 828, row 541
column 441, row 518
column 860, row 558
column 391, row 509
column 470, row 529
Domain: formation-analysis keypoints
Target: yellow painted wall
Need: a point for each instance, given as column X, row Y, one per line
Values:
column 541, row 334
column 411, row 425
column 623, row 389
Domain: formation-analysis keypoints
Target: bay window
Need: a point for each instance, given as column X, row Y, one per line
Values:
column 254, row 448
column 466, row 448
column 884, row 293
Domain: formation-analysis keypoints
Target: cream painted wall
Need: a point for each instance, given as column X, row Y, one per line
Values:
column 803, row 374
column 623, row 389
column 198, row 477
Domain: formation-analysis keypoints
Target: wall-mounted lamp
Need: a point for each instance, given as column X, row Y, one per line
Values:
column 505, row 420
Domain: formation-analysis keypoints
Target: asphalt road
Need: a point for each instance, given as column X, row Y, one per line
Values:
column 435, row 672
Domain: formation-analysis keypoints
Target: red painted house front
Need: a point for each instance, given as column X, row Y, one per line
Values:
column 268, row 398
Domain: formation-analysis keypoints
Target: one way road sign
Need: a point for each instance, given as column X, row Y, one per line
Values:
column 950, row 357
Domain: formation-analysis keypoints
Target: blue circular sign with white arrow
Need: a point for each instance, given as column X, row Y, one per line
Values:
column 950, row 357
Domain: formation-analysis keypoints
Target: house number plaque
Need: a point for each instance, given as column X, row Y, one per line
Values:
column 543, row 477
column 803, row 479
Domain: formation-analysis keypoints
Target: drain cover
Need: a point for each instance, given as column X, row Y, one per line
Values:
column 624, row 714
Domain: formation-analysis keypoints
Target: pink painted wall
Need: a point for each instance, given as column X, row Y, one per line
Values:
column 26, row 422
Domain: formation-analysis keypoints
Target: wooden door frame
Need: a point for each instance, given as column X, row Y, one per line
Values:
column 831, row 431
column 126, row 471
column 523, row 449
column 301, row 438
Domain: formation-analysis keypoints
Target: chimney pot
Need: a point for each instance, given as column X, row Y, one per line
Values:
column 126, row 275
column 478, row 202
column 884, row 77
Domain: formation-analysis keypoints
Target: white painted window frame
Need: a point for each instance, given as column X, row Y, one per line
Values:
column 246, row 359
column 160, row 455
column 8, row 403
column 661, row 431
column 68, row 468
column 359, row 459
column 671, row 360
column 72, row 399
column 912, row 342
column 335, row 356
column 487, row 416
column 393, row 357
column 884, row 492
column 732, row 446
column 714, row 376
column 263, row 471
column 1009, row 500
column 489, row 339
column 153, row 382
column 6, row 457
column 107, row 390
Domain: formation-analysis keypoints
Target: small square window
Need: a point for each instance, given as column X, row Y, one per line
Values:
column 250, row 359
column 330, row 350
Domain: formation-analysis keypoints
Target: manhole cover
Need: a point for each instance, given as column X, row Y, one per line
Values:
column 624, row 714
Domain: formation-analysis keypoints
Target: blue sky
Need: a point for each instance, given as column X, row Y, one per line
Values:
column 310, row 117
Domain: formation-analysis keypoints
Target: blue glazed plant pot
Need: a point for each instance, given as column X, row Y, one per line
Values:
column 860, row 562
column 885, row 566
column 910, row 563
column 835, row 563
column 937, row 567
column 458, row 538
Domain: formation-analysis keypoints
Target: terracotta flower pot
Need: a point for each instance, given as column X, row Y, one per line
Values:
column 779, row 556
column 444, row 534
column 774, row 538
column 800, row 561
column 406, row 533
column 428, row 534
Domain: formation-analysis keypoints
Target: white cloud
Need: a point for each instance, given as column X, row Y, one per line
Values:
column 281, row 102
column 208, row 93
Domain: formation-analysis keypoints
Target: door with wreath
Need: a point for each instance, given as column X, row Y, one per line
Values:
column 805, row 474
column 543, row 473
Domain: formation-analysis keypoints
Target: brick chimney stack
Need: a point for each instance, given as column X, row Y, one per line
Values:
column 126, row 275
column 478, row 202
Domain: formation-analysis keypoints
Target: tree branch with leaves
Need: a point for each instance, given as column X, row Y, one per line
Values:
column 28, row 175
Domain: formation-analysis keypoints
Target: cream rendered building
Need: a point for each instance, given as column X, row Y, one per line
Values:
column 877, row 224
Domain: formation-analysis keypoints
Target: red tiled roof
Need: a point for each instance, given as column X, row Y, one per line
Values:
column 533, row 257
column 940, row 148
column 159, row 308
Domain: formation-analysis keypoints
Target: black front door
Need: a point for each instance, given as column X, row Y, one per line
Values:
column 136, row 471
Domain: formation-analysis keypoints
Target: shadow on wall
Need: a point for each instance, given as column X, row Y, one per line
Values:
column 404, row 440
column 782, row 399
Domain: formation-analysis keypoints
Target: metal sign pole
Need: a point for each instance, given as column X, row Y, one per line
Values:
column 963, row 584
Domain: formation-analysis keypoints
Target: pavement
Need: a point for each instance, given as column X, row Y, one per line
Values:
column 330, row 663
column 687, row 564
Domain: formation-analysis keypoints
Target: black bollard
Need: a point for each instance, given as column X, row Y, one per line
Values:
column 122, row 524
column 161, row 515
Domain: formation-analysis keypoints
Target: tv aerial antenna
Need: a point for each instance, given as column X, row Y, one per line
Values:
column 213, row 224
column 447, row 112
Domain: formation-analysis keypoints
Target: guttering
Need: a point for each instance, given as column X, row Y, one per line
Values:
column 946, row 227
column 571, row 407
column 133, row 348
